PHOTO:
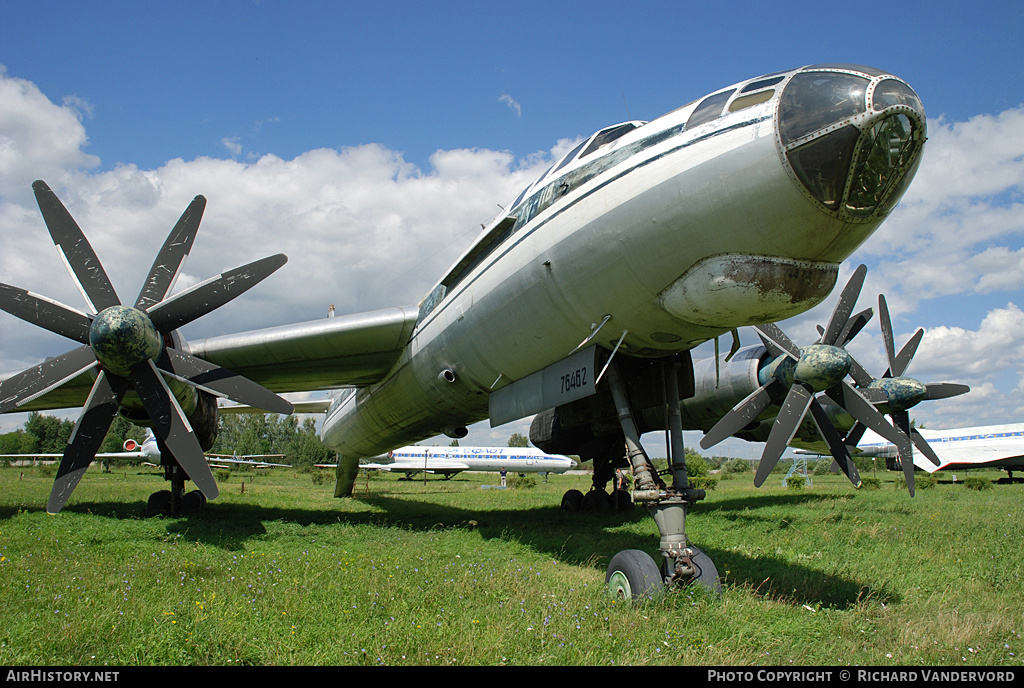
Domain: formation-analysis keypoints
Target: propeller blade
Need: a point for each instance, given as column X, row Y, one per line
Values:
column 777, row 337
column 75, row 249
column 91, row 428
column 742, row 414
column 847, row 300
column 191, row 304
column 906, row 454
column 890, row 346
column 862, row 410
column 901, row 419
column 172, row 256
column 172, row 427
column 837, row 447
column 786, row 423
column 221, row 382
column 859, row 374
column 944, row 390
column 853, row 326
column 907, row 353
column 33, row 383
column 46, row 313
column 922, row 446
column 853, row 437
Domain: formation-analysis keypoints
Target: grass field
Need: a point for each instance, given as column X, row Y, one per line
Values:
column 451, row 573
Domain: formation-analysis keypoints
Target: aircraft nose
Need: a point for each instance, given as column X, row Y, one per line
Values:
column 851, row 137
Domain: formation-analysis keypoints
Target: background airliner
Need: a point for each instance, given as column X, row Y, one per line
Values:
column 986, row 446
column 449, row 461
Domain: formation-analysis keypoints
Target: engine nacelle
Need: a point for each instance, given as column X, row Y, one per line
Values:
column 200, row 409
column 716, row 392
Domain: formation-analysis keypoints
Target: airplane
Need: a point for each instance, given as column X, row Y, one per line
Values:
column 579, row 304
column 450, row 461
column 148, row 452
column 985, row 446
column 132, row 450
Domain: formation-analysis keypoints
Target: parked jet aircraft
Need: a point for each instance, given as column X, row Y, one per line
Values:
column 142, row 451
column 450, row 461
column 644, row 241
column 148, row 452
column 986, row 446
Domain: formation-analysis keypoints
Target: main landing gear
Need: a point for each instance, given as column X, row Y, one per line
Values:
column 633, row 574
column 175, row 502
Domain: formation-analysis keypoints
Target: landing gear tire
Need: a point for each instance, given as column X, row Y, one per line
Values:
column 193, row 503
column 634, row 577
column 159, row 504
column 572, row 501
column 596, row 501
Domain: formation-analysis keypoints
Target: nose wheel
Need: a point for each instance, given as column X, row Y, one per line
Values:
column 633, row 576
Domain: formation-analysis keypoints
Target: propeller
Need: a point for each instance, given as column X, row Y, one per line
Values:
column 794, row 378
column 902, row 393
column 130, row 348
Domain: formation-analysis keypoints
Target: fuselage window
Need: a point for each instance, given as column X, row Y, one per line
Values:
column 709, row 109
column 571, row 156
column 606, row 136
column 476, row 255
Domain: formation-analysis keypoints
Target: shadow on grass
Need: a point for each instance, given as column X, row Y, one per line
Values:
column 589, row 540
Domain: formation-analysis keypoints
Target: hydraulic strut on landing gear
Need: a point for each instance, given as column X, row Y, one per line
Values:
column 633, row 574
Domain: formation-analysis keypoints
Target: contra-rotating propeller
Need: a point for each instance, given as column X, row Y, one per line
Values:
column 130, row 348
column 902, row 393
column 796, row 375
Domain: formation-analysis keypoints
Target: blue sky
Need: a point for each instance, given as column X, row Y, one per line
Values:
column 369, row 141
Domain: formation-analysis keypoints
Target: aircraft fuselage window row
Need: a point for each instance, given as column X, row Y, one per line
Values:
column 523, row 211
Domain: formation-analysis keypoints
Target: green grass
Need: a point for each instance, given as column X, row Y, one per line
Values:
column 449, row 573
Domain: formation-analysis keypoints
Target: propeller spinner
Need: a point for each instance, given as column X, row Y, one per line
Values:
column 130, row 348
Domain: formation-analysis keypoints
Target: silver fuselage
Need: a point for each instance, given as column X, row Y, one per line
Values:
column 679, row 230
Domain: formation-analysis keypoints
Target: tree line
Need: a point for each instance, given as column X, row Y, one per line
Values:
column 255, row 433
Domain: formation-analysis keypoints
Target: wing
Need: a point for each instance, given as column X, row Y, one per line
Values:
column 101, row 455
column 353, row 350
column 434, row 466
column 252, row 460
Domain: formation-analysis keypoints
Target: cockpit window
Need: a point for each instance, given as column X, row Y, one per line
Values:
column 709, row 109
column 606, row 136
column 751, row 99
column 892, row 92
column 814, row 100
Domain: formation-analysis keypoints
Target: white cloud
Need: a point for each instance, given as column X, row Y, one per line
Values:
column 233, row 145
column 512, row 104
column 38, row 137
